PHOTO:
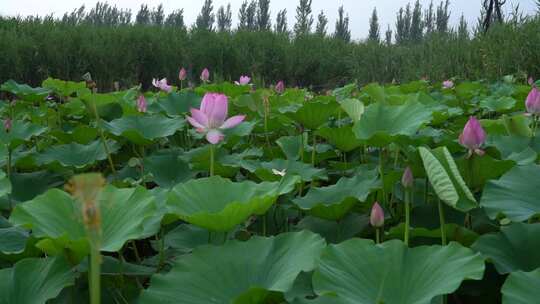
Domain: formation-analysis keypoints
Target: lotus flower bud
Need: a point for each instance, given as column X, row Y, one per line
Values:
column 377, row 216
column 7, row 124
column 530, row 81
column 533, row 101
column 448, row 84
column 182, row 74
column 473, row 136
column 141, row 104
column 205, row 75
column 407, row 179
column 280, row 87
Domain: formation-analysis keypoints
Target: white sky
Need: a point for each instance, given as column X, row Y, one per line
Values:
column 359, row 10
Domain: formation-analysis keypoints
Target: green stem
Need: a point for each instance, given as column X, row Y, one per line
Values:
column 264, row 224
column 103, row 139
column 441, row 219
column 212, row 160
column 136, row 251
column 95, row 275
column 161, row 250
column 407, row 215
column 378, row 235
column 8, row 171
column 381, row 172
column 314, row 141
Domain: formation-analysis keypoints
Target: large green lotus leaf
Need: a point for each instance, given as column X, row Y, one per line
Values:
column 359, row 272
column 514, row 148
column 143, row 129
column 237, row 272
column 516, row 247
column 515, row 194
column 376, row 92
column 497, row 104
column 218, row 204
column 24, row 91
column 291, row 167
column 76, row 155
column 35, row 281
column 177, row 104
column 313, row 114
column 168, row 168
column 56, row 215
column 290, row 145
column 65, row 88
column 521, row 288
column 454, row 232
column 333, row 202
column 343, row 137
column 381, row 124
column 333, row 231
column 20, row 132
column 477, row 170
column 5, row 184
column 26, row 186
column 353, row 107
column 446, row 180
column 517, row 125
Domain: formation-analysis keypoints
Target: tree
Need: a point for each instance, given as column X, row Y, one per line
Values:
column 224, row 18
column 417, row 27
column 402, row 34
column 304, row 19
column 242, row 16
column 463, row 29
column 342, row 26
column 442, row 17
column 388, row 34
column 251, row 16
column 143, row 15
column 429, row 19
column 157, row 16
column 263, row 15
column 176, row 19
column 281, row 22
column 322, row 23
column 407, row 22
column 205, row 19
column 493, row 12
column 374, row 28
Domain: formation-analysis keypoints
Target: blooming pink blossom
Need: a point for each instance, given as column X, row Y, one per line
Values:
column 141, row 104
column 243, row 80
column 182, row 74
column 211, row 118
column 376, row 218
column 448, row 84
column 205, row 75
column 280, row 87
column 473, row 136
column 533, row 101
column 162, row 85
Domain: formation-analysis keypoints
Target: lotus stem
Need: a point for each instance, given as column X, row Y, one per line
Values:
column 95, row 275
column 381, row 172
column 441, row 219
column 264, row 224
column 314, row 141
column 102, row 136
column 8, row 171
column 378, row 235
column 408, row 193
column 212, row 160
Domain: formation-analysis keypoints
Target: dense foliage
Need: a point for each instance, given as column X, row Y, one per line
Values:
column 413, row 193
column 106, row 42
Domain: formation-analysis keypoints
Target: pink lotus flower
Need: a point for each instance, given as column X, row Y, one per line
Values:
column 141, row 104
column 533, row 101
column 376, row 218
column 8, row 124
column 162, row 85
column 448, row 84
column 182, row 74
column 473, row 136
column 211, row 117
column 243, row 80
column 205, row 75
column 280, row 87
column 407, row 179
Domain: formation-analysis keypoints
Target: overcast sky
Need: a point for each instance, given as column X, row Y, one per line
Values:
column 359, row 10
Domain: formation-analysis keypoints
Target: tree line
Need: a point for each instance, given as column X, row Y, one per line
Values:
column 115, row 45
